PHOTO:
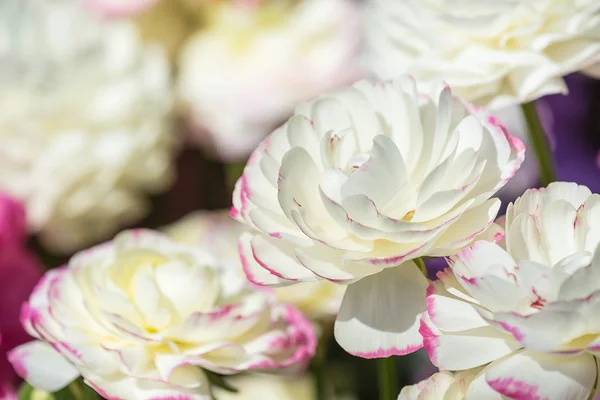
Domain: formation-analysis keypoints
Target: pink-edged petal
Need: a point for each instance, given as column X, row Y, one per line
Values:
column 326, row 263
column 42, row 366
column 526, row 329
column 380, row 314
column 462, row 232
column 288, row 349
column 255, row 269
column 450, row 313
column 479, row 388
column 535, row 376
column 464, row 349
column 123, row 387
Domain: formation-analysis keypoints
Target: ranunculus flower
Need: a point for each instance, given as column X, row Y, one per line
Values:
column 363, row 180
column 141, row 317
column 19, row 272
column 119, row 8
column 217, row 233
column 243, row 74
column 84, row 124
column 491, row 52
column 440, row 386
column 527, row 308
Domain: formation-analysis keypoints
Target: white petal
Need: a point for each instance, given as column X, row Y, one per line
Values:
column 379, row 316
column 532, row 375
column 464, row 349
column 42, row 366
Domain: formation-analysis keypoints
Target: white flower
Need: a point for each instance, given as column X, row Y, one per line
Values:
column 526, row 308
column 83, row 120
column 141, row 317
column 491, row 52
column 246, row 71
column 217, row 234
column 440, row 386
column 362, row 180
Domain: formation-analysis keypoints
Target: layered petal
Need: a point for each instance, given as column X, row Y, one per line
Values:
column 380, row 314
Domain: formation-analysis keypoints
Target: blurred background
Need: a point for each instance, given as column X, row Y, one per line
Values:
column 122, row 113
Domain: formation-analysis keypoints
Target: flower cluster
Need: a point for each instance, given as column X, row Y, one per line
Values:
column 334, row 217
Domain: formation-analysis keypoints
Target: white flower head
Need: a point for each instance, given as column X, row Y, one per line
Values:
column 84, row 120
column 244, row 73
column 216, row 233
column 495, row 53
column 527, row 307
column 142, row 317
column 362, row 180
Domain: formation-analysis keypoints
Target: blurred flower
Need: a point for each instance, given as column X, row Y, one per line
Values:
column 140, row 316
column 19, row 272
column 362, row 180
column 83, row 120
column 217, row 233
column 119, row 8
column 526, row 309
column 440, row 386
column 245, row 72
column 264, row 387
column 493, row 53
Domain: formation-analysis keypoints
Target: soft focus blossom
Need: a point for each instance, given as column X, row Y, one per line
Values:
column 491, row 52
column 527, row 308
column 217, row 233
column 83, row 107
column 362, row 180
column 244, row 73
column 19, row 272
column 141, row 317
column 440, row 386
column 119, row 8
column 268, row 387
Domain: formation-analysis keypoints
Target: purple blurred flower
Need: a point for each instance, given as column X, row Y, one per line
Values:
column 19, row 272
column 575, row 129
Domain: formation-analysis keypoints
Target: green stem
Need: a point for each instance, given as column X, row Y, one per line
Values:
column 540, row 144
column 318, row 364
column 421, row 264
column 388, row 383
